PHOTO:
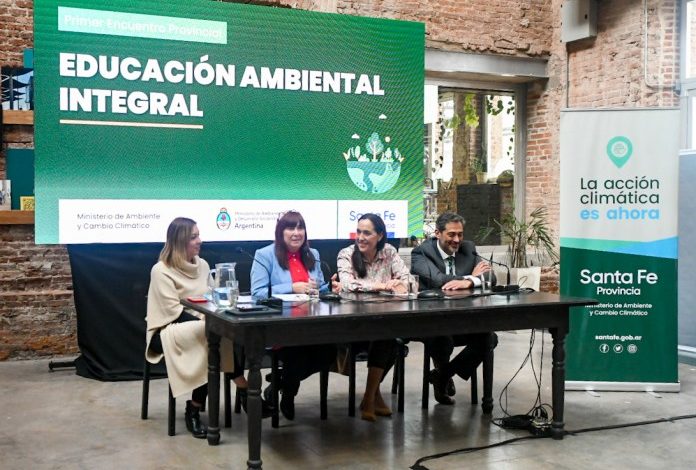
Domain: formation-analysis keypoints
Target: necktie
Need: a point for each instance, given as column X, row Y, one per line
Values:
column 450, row 265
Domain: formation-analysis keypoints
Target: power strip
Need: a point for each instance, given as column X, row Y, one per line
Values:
column 540, row 427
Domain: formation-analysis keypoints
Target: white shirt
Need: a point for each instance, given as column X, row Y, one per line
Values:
column 445, row 257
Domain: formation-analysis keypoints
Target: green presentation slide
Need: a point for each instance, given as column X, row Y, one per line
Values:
column 226, row 113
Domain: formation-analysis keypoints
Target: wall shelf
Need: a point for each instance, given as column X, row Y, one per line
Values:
column 10, row 116
column 16, row 217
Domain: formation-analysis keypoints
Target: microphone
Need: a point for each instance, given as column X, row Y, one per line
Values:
column 329, row 296
column 508, row 287
column 269, row 300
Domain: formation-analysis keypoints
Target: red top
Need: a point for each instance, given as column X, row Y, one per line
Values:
column 298, row 272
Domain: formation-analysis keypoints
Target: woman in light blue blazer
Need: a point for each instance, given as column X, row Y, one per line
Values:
column 281, row 277
column 288, row 266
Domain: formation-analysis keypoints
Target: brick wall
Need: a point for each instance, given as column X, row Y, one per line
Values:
column 609, row 72
column 510, row 27
column 36, row 310
column 37, row 314
column 16, row 30
column 604, row 72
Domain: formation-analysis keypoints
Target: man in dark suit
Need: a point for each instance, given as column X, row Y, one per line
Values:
column 449, row 262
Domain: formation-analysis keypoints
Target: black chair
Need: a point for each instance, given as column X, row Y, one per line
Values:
column 171, row 422
column 398, row 378
column 145, row 401
column 397, row 375
column 426, row 383
column 171, row 425
column 276, row 370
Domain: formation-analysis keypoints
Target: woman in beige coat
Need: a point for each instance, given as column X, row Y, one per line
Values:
column 178, row 334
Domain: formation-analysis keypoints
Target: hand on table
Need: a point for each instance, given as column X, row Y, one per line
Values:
column 335, row 285
column 458, row 284
column 304, row 287
column 395, row 285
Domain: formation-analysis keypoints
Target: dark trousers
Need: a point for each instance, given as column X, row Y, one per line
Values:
column 200, row 394
column 465, row 363
column 381, row 354
column 299, row 362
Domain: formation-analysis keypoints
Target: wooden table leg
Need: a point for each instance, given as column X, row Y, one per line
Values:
column 213, row 389
column 487, row 402
column 254, row 353
column 558, row 381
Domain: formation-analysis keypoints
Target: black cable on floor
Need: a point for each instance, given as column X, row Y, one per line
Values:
column 629, row 425
column 418, row 464
column 538, row 408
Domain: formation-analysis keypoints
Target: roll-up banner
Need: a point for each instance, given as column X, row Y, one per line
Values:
column 619, row 206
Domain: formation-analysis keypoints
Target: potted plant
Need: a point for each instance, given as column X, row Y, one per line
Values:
column 478, row 169
column 520, row 235
column 506, row 178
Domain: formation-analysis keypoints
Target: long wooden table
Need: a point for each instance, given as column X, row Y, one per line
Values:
column 370, row 317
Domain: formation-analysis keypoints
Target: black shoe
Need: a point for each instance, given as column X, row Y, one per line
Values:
column 440, row 387
column 287, row 406
column 266, row 407
column 451, row 391
column 268, row 394
column 193, row 421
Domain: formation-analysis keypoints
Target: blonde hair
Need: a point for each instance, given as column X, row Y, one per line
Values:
column 178, row 235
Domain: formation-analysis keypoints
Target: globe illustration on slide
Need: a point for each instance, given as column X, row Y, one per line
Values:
column 374, row 177
column 374, row 167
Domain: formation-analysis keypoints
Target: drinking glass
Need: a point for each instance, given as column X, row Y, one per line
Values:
column 221, row 297
column 313, row 292
column 218, row 294
column 413, row 285
column 232, row 292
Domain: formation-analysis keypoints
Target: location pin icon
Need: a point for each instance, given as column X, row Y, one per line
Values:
column 619, row 150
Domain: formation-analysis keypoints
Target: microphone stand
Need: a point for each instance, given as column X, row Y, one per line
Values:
column 508, row 288
column 330, row 295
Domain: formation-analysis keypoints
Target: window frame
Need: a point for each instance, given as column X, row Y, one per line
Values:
column 519, row 92
column 687, row 85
